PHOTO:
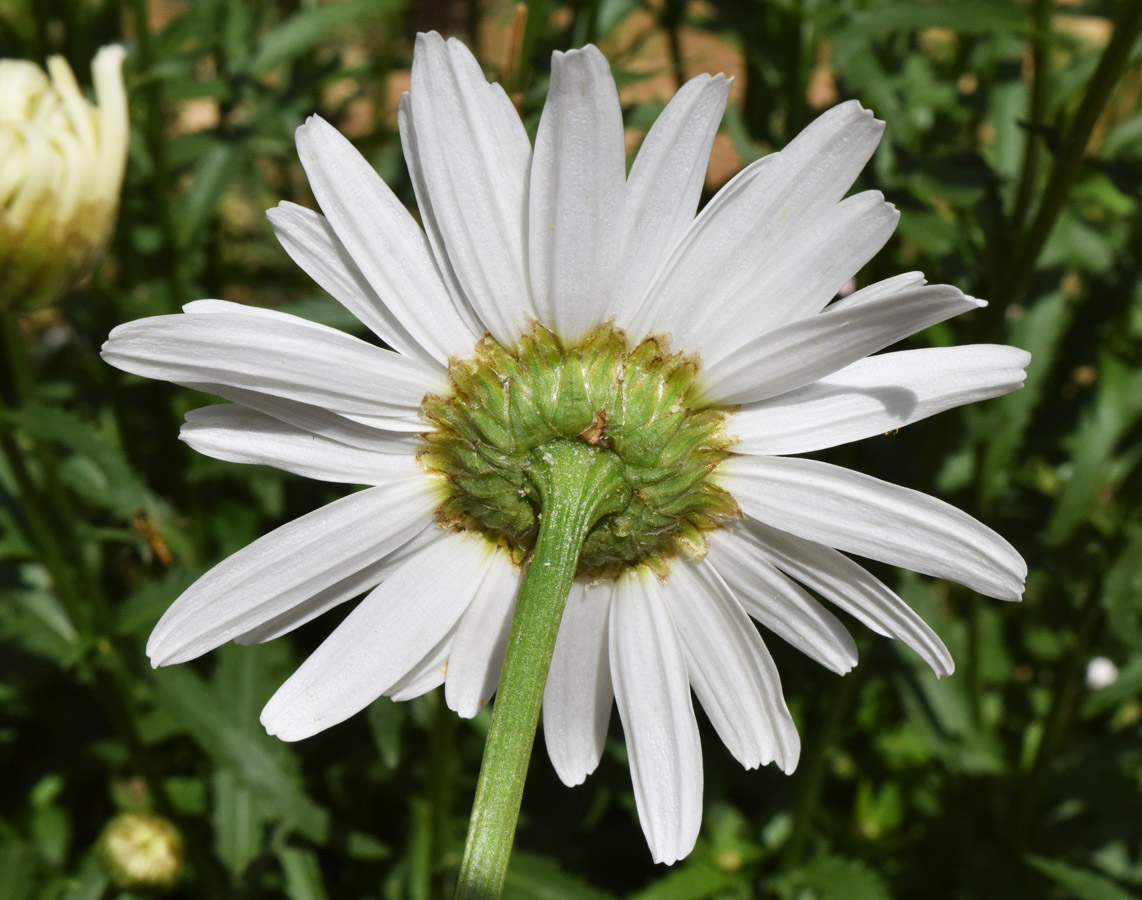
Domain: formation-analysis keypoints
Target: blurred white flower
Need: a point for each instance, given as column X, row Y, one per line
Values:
column 1100, row 672
column 524, row 310
column 61, row 167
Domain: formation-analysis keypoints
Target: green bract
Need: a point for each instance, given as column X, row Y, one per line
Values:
column 638, row 403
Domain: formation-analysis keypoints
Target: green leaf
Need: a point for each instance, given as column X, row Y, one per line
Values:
column 1039, row 331
column 90, row 884
column 212, row 176
column 237, row 824
column 96, row 468
column 299, row 34
column 302, row 874
column 1082, row 884
column 20, row 866
column 1122, row 590
column 693, row 880
column 1117, row 407
column 837, row 878
column 204, row 715
column 965, row 17
column 538, row 878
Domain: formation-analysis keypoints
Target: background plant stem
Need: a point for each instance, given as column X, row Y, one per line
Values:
column 1070, row 158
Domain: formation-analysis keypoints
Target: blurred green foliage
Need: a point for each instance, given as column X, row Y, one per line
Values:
column 1014, row 151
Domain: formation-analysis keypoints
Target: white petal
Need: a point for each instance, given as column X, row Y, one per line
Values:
column 288, row 566
column 482, row 638
column 666, row 182
column 388, row 633
column 879, row 289
column 815, row 263
column 426, row 675
column 869, row 517
column 578, row 181
column 320, row 421
column 245, row 309
column 312, row 243
column 347, row 588
column 743, row 229
column 652, row 692
column 809, row 349
column 424, row 203
column 841, row 581
column 730, row 669
column 876, row 395
column 297, row 360
column 779, row 604
column 384, row 241
column 472, row 155
column 241, row 435
column 578, row 697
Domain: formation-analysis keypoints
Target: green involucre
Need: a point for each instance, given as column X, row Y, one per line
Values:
column 639, row 403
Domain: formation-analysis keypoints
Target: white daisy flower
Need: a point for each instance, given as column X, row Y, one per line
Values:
column 550, row 298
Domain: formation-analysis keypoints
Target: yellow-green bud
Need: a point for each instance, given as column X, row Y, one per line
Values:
column 62, row 160
column 142, row 852
column 638, row 403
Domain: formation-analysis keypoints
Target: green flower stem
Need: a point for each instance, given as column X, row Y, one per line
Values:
column 151, row 87
column 1070, row 158
column 578, row 484
column 1041, row 29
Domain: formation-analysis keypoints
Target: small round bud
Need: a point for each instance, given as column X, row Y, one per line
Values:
column 142, row 852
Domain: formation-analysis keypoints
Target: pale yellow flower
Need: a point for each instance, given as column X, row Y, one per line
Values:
column 62, row 160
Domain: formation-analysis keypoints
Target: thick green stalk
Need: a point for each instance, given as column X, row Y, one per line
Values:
column 578, row 484
column 1070, row 158
column 1041, row 27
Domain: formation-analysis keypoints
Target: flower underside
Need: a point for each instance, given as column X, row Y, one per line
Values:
column 636, row 402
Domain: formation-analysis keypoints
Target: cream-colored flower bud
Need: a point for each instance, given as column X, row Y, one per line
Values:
column 61, row 168
column 142, row 852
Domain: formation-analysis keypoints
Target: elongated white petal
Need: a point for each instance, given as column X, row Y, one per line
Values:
column 879, row 289
column 779, row 604
column 237, row 434
column 354, row 585
column 730, row 669
column 737, row 237
column 312, row 243
column 652, row 692
column 472, row 154
column 388, row 633
column 320, row 421
column 815, row 263
column 809, row 349
column 410, row 147
column 876, row 395
column 869, row 517
column 384, row 241
column 481, row 639
column 578, row 182
column 288, row 566
column 426, row 675
column 296, row 360
column 209, row 306
column 578, row 697
column 665, row 184
column 841, row 581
